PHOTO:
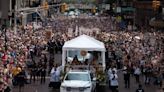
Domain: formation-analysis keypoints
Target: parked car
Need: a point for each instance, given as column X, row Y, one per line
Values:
column 78, row 81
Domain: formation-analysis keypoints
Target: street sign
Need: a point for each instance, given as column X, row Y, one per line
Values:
column 107, row 6
column 118, row 9
column 128, row 9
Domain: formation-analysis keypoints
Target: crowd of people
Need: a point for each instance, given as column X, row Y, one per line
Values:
column 21, row 45
column 138, row 53
column 139, row 50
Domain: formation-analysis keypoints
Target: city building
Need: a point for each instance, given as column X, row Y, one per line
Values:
column 4, row 8
column 145, row 11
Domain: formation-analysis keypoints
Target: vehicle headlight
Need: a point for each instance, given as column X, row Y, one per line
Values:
column 63, row 87
column 66, row 88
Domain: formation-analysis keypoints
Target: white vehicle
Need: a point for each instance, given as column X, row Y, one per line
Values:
column 78, row 81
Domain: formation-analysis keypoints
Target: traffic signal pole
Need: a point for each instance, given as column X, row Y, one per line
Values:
column 10, row 19
column 15, row 18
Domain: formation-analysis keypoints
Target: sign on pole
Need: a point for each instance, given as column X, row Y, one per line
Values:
column 118, row 9
column 107, row 7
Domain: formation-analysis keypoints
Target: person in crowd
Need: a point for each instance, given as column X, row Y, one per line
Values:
column 43, row 73
column 21, row 80
column 114, row 69
column 35, row 50
column 118, row 62
column 45, row 59
column 15, row 72
column 140, row 89
column 51, row 62
column 38, row 70
column 126, row 72
column 55, row 77
column 32, row 52
column 75, row 61
column 109, row 74
column 114, row 81
column 33, row 72
column 137, row 73
column 142, row 64
column 148, row 74
column 159, row 79
column 7, row 89
column 51, row 45
column 1, row 86
column 161, row 90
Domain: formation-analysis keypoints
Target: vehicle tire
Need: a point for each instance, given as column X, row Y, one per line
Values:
column 94, row 90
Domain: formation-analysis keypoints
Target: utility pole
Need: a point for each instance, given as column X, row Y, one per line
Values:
column 36, row 17
column 15, row 21
column 134, row 14
column 15, row 17
column 5, row 40
column 10, row 12
column 5, row 36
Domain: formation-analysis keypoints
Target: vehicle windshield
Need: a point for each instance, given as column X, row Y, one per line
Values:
column 77, row 76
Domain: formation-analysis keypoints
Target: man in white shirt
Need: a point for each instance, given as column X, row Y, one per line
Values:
column 55, row 78
column 109, row 74
column 137, row 73
column 55, row 74
column 114, row 81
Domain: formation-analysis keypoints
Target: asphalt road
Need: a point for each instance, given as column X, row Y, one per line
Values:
column 37, row 87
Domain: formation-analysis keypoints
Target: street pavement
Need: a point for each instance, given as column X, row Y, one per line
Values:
column 37, row 87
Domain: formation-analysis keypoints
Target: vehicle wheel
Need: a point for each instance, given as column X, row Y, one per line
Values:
column 94, row 90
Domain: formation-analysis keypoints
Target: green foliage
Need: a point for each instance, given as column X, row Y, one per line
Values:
column 62, row 75
column 101, row 77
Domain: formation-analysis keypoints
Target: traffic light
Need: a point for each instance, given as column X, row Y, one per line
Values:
column 45, row 5
column 94, row 10
column 64, row 7
column 156, row 4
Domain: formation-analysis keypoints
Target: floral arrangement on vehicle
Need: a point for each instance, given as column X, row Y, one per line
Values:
column 62, row 74
column 101, row 77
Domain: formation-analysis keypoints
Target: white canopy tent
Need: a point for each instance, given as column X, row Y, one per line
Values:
column 86, row 43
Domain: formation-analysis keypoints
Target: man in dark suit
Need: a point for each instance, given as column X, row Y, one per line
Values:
column 126, row 72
